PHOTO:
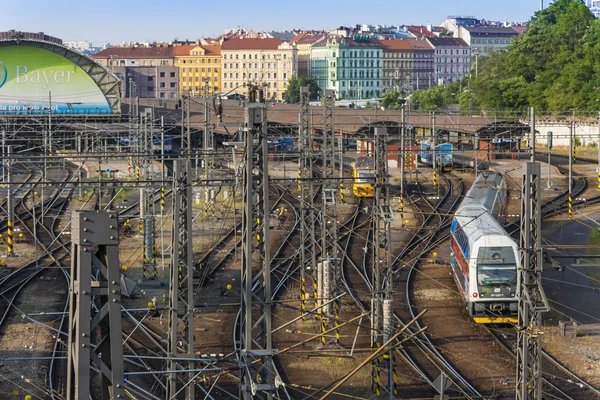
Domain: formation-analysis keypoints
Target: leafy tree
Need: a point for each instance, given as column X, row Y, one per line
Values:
column 553, row 65
column 292, row 93
column 392, row 100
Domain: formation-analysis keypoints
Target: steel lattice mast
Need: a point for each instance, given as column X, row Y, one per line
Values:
column 308, row 253
column 257, row 378
column 532, row 300
column 95, row 307
column 329, row 249
column 181, row 300
column 383, row 324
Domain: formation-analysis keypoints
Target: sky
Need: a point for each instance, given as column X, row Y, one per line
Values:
column 165, row 20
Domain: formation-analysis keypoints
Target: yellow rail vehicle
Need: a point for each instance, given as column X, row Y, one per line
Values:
column 364, row 176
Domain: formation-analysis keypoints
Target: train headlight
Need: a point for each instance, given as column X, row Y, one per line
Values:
column 512, row 295
column 481, row 294
column 475, row 295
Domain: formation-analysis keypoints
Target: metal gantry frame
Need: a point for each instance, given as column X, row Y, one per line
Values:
column 532, row 300
column 257, row 370
column 181, row 299
column 308, row 261
column 147, row 218
column 382, row 318
column 95, row 336
column 329, row 243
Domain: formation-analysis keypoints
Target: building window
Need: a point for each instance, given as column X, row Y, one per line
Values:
column 172, row 84
column 162, row 74
column 172, row 74
column 162, row 84
column 150, row 88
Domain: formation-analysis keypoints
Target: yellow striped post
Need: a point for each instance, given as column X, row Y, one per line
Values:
column 401, row 206
column 570, row 210
column 337, row 321
column 145, row 263
column 599, row 180
column 316, row 297
column 394, row 375
column 434, row 179
column 574, row 153
column 299, row 178
column 323, row 329
column 303, row 297
column 10, row 240
column 162, row 199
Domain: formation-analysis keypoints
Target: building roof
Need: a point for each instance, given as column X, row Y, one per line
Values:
column 396, row 44
column 251, row 44
column 182, row 51
column 285, row 36
column 307, row 38
column 520, row 29
column 490, row 31
column 419, row 30
column 421, row 45
column 13, row 34
column 447, row 41
column 161, row 51
column 348, row 42
column 209, row 50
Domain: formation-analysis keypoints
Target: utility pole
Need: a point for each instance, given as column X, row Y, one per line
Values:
column 305, row 173
column 532, row 300
column 181, row 299
column 147, row 220
column 10, row 205
column 571, row 159
column 434, row 152
column 382, row 297
column 257, row 378
column 329, row 259
column 402, row 161
column 549, row 145
column 532, row 132
column 208, row 163
column 598, row 145
column 95, row 307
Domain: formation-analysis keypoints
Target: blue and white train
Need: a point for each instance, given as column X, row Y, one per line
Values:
column 443, row 155
column 484, row 256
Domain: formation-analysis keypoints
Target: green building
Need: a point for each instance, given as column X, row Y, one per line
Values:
column 350, row 66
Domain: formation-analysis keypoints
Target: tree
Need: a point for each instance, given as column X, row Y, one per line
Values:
column 552, row 66
column 392, row 100
column 292, row 93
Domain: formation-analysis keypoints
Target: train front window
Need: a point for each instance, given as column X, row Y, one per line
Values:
column 496, row 266
column 365, row 177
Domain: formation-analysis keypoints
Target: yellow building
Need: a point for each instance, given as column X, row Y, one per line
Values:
column 199, row 69
column 260, row 61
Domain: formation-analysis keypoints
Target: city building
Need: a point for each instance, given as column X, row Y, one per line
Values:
column 484, row 37
column 452, row 59
column 485, row 40
column 350, row 66
column 146, row 72
column 13, row 34
column 85, row 47
column 304, row 42
column 594, row 6
column 423, row 75
column 262, row 61
column 397, row 59
column 199, row 69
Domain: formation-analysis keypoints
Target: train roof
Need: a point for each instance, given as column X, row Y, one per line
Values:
column 483, row 191
column 479, row 223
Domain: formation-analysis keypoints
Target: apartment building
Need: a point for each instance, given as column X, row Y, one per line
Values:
column 423, row 74
column 452, row 59
column 397, row 64
column 350, row 66
column 199, row 69
column 262, row 61
column 146, row 72
column 304, row 42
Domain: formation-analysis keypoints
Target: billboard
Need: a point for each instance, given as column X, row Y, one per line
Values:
column 38, row 81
